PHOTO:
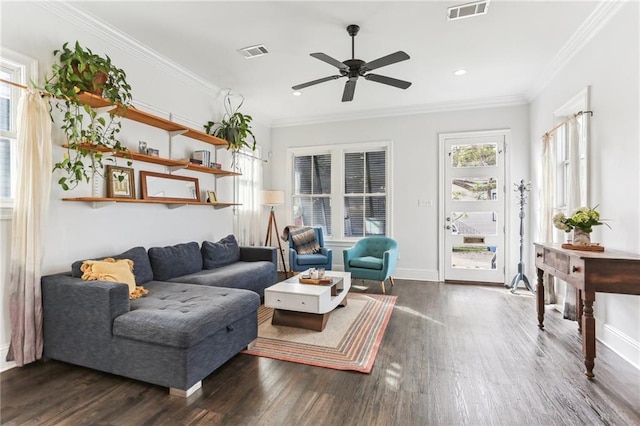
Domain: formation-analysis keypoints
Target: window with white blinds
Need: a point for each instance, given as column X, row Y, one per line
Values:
column 312, row 191
column 342, row 189
column 365, row 199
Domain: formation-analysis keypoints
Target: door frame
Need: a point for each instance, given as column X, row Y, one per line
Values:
column 508, row 194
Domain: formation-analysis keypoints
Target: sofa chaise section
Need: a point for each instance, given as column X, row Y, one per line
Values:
column 175, row 336
column 185, row 334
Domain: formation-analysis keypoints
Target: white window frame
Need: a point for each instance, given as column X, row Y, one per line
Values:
column 362, row 195
column 337, row 195
column 24, row 70
column 580, row 102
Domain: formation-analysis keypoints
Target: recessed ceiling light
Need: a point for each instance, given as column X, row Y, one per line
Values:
column 460, row 72
column 297, row 93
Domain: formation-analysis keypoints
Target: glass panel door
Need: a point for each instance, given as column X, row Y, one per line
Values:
column 474, row 209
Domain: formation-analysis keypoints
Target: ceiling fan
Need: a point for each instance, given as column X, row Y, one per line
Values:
column 354, row 68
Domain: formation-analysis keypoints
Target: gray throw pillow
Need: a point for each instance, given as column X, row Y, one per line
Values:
column 141, row 265
column 221, row 253
column 175, row 261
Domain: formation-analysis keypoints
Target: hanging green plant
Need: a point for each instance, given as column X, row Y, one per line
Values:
column 234, row 127
column 92, row 137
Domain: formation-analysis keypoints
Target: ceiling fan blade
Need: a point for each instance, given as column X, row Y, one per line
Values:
column 387, row 60
column 349, row 89
column 318, row 81
column 401, row 84
column 329, row 60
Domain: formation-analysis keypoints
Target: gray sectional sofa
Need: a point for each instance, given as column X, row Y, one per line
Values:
column 200, row 311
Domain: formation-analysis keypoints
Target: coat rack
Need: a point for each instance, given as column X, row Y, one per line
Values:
column 520, row 276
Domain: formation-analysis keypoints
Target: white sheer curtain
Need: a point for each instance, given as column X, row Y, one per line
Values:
column 547, row 203
column 573, row 202
column 248, row 194
column 30, row 211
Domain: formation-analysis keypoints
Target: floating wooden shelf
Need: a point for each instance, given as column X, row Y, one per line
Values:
column 140, row 116
column 174, row 129
column 203, row 169
column 162, row 161
column 104, row 201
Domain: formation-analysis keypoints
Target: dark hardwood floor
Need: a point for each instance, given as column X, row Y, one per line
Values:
column 452, row 355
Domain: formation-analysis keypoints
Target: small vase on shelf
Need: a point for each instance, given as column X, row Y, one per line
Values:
column 581, row 237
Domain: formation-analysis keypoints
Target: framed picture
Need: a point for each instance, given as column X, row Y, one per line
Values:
column 120, row 182
column 211, row 197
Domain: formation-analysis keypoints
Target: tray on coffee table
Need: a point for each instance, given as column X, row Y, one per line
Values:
column 306, row 279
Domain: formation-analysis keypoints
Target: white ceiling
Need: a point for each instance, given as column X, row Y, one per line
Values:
column 507, row 53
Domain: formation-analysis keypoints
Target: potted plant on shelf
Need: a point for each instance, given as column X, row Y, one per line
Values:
column 235, row 128
column 91, row 136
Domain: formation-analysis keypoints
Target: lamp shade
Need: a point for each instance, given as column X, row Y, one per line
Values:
column 273, row 198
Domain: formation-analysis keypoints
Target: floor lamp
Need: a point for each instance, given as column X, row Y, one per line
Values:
column 272, row 199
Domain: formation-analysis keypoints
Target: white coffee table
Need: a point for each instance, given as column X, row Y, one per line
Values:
column 307, row 305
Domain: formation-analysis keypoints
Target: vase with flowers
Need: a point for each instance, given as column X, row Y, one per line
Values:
column 581, row 222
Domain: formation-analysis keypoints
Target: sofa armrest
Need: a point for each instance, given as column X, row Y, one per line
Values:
column 329, row 253
column 78, row 317
column 389, row 260
column 258, row 253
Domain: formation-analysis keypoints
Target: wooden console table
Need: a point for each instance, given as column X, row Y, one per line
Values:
column 589, row 272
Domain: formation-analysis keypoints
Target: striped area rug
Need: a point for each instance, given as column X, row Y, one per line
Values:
column 350, row 340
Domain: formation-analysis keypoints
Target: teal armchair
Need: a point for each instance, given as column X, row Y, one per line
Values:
column 372, row 258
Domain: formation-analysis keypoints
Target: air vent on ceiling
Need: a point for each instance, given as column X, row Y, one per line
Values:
column 253, row 51
column 468, row 10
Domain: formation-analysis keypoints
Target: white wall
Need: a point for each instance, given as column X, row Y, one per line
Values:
column 75, row 230
column 414, row 171
column 609, row 65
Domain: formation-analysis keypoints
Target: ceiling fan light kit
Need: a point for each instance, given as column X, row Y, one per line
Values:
column 354, row 68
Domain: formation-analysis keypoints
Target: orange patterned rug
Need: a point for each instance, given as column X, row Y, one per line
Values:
column 349, row 341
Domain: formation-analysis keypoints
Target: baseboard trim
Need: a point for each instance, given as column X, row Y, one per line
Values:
column 5, row 365
column 620, row 343
column 482, row 283
column 415, row 274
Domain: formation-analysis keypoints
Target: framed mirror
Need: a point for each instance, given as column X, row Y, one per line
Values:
column 160, row 186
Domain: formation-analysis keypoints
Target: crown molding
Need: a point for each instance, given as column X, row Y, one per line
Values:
column 583, row 35
column 460, row 105
column 123, row 41
column 128, row 44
